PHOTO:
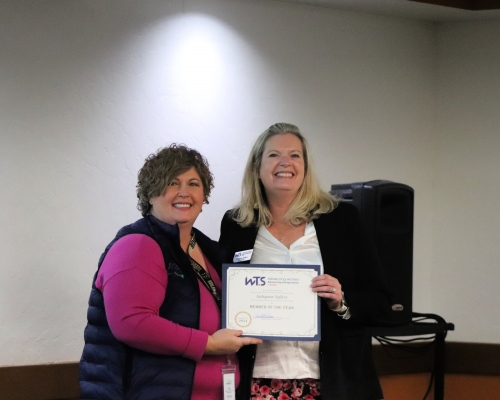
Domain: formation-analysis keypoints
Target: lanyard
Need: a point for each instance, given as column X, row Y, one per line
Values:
column 202, row 274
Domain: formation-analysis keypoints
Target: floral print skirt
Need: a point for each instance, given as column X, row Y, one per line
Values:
column 285, row 389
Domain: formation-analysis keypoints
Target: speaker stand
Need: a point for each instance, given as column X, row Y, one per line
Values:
column 418, row 328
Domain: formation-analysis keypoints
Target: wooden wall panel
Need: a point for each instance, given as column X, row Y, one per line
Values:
column 470, row 368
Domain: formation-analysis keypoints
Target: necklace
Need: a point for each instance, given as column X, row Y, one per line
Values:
column 283, row 234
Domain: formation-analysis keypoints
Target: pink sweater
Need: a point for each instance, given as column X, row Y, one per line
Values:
column 133, row 280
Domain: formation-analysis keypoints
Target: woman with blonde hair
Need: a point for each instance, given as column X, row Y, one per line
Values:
column 286, row 218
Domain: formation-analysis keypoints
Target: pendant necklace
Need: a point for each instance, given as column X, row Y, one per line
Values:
column 281, row 235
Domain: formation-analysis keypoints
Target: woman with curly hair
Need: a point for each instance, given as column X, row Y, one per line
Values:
column 153, row 327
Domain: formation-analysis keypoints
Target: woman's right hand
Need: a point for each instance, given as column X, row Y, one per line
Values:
column 228, row 341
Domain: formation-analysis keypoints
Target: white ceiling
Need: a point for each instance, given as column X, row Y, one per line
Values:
column 401, row 8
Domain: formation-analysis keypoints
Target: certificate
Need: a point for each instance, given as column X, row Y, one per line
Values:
column 271, row 302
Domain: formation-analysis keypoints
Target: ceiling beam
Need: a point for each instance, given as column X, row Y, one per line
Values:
column 472, row 5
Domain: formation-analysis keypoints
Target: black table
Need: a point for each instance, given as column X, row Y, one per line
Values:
column 416, row 328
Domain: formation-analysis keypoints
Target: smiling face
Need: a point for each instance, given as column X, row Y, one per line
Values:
column 181, row 202
column 282, row 167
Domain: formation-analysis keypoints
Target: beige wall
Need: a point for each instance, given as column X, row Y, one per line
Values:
column 466, row 227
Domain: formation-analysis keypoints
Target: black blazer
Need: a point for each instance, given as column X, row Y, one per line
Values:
column 346, row 365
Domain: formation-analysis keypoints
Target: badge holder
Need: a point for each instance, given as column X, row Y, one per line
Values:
column 228, row 380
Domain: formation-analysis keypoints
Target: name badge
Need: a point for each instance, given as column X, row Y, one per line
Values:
column 244, row 255
column 228, row 381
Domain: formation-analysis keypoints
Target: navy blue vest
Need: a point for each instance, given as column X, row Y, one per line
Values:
column 109, row 369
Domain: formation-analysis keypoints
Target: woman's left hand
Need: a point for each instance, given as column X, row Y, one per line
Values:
column 329, row 288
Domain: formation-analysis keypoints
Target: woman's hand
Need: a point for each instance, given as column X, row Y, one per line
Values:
column 227, row 341
column 329, row 288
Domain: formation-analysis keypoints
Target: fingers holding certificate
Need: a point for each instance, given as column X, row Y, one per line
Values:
column 272, row 302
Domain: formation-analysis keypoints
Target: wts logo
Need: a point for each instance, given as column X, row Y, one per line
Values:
column 256, row 280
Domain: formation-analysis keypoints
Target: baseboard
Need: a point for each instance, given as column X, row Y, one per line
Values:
column 60, row 381
column 39, row 382
column 461, row 358
column 457, row 387
column 473, row 358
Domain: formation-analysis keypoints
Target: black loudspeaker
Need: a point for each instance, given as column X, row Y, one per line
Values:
column 386, row 210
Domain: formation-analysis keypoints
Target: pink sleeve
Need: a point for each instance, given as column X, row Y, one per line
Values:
column 133, row 280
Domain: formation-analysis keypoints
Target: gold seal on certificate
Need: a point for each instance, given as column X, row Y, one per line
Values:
column 272, row 302
column 243, row 319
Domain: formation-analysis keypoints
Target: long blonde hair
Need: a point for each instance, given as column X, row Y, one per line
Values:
column 311, row 201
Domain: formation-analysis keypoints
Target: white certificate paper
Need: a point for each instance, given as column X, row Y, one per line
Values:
column 271, row 302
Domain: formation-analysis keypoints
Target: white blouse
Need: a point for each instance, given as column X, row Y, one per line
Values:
column 278, row 358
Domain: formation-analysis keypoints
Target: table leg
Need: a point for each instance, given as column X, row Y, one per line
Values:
column 439, row 363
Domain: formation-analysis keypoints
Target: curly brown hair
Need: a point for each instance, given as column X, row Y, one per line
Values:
column 165, row 165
